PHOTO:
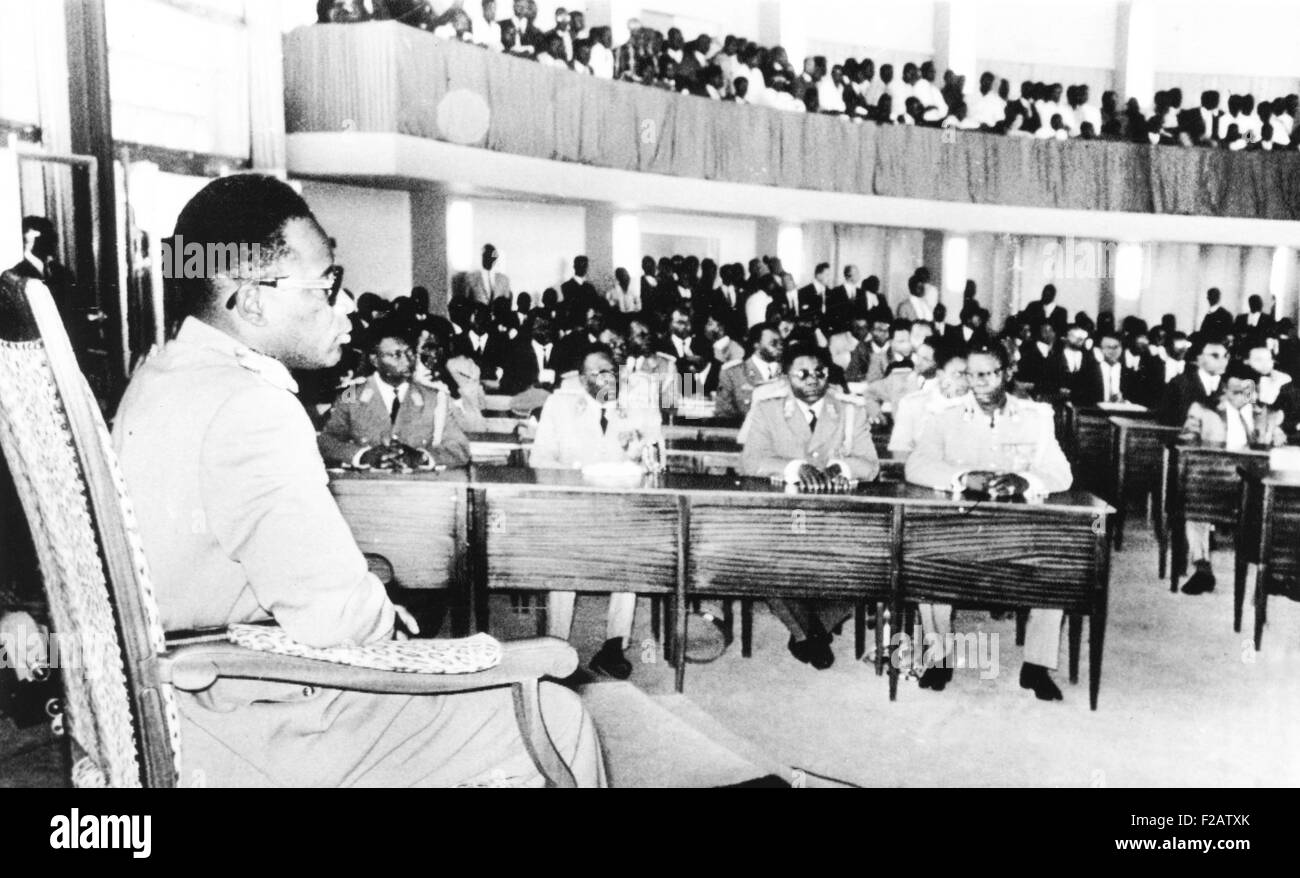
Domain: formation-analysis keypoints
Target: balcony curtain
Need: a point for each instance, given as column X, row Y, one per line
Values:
column 384, row 77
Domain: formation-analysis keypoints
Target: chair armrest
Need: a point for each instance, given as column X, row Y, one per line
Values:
column 196, row 667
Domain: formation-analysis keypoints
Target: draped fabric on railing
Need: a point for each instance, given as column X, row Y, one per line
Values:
column 384, row 77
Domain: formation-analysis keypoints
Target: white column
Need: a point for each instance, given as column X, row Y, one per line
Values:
column 1135, row 52
column 266, row 85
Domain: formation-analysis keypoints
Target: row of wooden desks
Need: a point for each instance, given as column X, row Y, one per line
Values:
column 691, row 536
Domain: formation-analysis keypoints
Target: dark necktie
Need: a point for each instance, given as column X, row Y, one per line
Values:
column 397, row 404
column 604, row 421
column 812, row 422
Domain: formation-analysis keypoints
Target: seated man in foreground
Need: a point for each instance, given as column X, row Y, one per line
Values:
column 389, row 422
column 820, row 441
column 591, row 424
column 1237, row 422
column 1005, row 447
column 238, row 525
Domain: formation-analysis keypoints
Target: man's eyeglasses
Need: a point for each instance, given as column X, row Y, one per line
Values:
column 804, row 374
column 330, row 283
column 981, row 376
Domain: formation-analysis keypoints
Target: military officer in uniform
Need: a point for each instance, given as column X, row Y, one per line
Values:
column 388, row 419
column 812, row 437
column 1004, row 446
column 739, row 378
column 658, row 369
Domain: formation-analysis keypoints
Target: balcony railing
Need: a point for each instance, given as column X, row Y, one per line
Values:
column 388, row 78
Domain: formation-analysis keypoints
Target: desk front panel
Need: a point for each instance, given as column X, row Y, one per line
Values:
column 413, row 524
column 580, row 540
column 788, row 545
column 1209, row 485
column 1092, row 449
column 1284, row 548
column 1001, row 556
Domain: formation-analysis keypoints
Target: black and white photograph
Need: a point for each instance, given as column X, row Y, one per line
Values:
column 795, row 394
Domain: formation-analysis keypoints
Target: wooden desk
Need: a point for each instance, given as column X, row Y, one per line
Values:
column 1268, row 535
column 693, row 536
column 1086, row 439
column 1204, row 484
column 1137, row 452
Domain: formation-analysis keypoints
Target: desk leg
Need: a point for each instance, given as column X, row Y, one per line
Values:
column 897, row 589
column 1097, row 624
column 1261, row 602
column 1265, row 555
column 746, row 627
column 1240, row 564
column 859, row 629
column 679, row 596
column 1076, row 638
column 1177, row 545
column 1121, row 512
column 476, row 561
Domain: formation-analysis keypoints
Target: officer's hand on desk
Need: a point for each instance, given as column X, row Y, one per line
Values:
column 812, row 479
column 1007, row 485
column 839, row 482
column 396, row 456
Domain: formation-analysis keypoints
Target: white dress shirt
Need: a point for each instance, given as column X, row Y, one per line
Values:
column 1111, row 376
column 602, row 61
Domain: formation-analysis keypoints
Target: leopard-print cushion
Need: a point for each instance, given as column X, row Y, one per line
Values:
column 465, row 655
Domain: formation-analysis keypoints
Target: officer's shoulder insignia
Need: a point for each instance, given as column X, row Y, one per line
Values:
column 732, row 364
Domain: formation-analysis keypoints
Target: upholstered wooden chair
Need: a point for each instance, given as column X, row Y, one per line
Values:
column 120, row 710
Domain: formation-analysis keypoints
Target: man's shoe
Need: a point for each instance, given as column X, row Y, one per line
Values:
column 936, row 678
column 1036, row 677
column 1200, row 582
column 815, row 651
column 610, row 660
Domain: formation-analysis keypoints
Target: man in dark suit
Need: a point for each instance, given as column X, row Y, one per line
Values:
column 840, row 301
column 1032, row 368
column 690, row 348
column 1254, row 323
column 570, row 349
column 1112, row 380
column 527, row 34
column 1045, row 310
column 726, row 304
column 812, row 298
column 579, row 293
column 1218, row 320
column 528, row 362
column 1071, row 368
column 1201, row 126
column 972, row 332
column 1195, row 385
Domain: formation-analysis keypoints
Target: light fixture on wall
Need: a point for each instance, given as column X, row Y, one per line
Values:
column 1128, row 272
column 1281, row 282
column 460, row 235
column 627, row 242
column 956, row 263
column 789, row 249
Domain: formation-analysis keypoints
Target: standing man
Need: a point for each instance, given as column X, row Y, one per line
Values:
column 585, row 425
column 238, row 525
column 811, row 437
column 965, row 449
column 1218, row 320
column 485, row 284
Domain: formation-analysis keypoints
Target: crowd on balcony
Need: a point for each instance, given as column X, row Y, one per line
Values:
column 741, row 71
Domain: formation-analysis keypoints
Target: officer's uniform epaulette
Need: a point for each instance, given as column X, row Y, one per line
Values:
column 731, row 364
column 850, row 398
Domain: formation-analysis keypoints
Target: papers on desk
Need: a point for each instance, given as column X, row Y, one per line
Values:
column 695, row 407
column 1284, row 459
column 1121, row 407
